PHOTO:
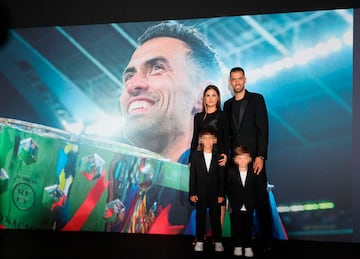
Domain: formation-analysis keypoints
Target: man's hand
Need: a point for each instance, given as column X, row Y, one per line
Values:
column 258, row 165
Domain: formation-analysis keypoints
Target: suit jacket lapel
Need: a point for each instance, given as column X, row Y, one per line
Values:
column 203, row 160
column 237, row 121
column 238, row 177
column 242, row 111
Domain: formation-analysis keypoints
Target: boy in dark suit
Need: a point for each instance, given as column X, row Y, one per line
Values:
column 241, row 193
column 207, row 188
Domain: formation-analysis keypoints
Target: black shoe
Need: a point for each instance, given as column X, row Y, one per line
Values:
column 267, row 246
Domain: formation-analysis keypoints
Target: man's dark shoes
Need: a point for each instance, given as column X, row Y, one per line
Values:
column 267, row 246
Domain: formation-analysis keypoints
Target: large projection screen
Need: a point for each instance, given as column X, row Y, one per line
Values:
column 67, row 161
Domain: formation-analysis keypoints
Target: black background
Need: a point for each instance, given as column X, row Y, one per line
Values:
column 66, row 12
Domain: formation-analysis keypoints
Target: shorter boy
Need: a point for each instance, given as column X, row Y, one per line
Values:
column 241, row 193
column 207, row 188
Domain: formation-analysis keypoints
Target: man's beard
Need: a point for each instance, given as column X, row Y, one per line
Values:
column 145, row 134
column 239, row 91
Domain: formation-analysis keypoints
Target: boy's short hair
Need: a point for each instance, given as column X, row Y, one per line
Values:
column 207, row 130
column 240, row 150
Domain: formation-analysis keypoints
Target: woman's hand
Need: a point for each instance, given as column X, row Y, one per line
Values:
column 194, row 198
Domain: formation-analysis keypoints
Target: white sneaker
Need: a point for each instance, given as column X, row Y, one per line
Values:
column 199, row 247
column 238, row 251
column 219, row 247
column 249, row 252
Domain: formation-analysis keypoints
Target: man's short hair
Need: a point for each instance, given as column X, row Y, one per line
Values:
column 201, row 52
column 237, row 69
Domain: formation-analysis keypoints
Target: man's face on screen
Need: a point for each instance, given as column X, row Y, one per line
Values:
column 158, row 98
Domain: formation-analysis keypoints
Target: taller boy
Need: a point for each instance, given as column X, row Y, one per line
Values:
column 207, row 187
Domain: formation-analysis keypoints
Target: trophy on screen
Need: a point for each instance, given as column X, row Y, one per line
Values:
column 144, row 178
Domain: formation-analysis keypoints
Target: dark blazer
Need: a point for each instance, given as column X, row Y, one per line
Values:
column 237, row 193
column 204, row 183
column 253, row 129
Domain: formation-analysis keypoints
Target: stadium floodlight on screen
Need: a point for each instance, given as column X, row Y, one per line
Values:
column 72, row 158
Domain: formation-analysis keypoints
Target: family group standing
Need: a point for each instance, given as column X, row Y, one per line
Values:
column 241, row 134
column 162, row 85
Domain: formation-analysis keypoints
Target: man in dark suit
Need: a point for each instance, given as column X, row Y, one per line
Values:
column 248, row 117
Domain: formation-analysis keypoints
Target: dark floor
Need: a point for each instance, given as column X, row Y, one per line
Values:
column 41, row 244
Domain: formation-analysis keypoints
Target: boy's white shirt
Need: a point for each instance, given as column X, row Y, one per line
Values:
column 207, row 157
column 243, row 175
